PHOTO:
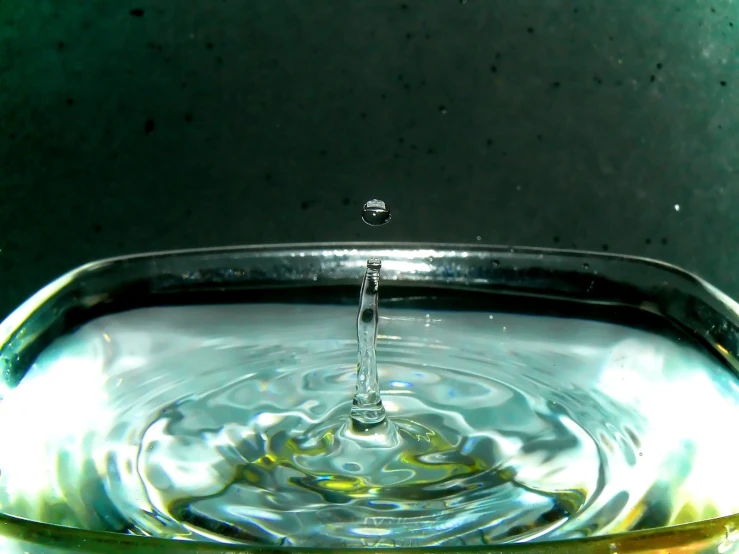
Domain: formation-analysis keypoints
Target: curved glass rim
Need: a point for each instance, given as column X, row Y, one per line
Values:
column 703, row 535
column 599, row 279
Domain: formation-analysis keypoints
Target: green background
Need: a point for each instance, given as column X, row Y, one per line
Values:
column 156, row 124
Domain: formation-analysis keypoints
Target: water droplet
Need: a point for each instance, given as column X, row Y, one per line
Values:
column 375, row 213
column 496, row 263
column 442, row 110
column 586, row 266
column 677, row 207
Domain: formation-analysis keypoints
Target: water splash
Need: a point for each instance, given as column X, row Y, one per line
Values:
column 367, row 409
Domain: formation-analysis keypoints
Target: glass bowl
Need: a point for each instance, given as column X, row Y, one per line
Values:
column 536, row 281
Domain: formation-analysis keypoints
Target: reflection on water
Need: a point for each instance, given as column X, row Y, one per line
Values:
column 219, row 423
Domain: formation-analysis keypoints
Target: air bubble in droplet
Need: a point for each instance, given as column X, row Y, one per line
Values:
column 442, row 110
column 496, row 263
column 586, row 266
column 375, row 213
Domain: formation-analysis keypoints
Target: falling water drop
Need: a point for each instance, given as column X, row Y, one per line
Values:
column 375, row 213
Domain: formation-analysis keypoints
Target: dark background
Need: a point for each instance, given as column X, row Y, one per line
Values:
column 129, row 126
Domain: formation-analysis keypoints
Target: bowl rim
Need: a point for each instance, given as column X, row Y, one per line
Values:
column 476, row 265
column 705, row 534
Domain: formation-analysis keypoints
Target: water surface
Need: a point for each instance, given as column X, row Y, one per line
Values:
column 219, row 423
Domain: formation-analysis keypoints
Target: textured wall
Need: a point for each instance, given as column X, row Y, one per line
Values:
column 156, row 124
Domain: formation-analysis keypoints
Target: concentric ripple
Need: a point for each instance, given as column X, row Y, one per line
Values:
column 229, row 424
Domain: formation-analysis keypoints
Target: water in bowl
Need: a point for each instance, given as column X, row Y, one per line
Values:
column 234, row 423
